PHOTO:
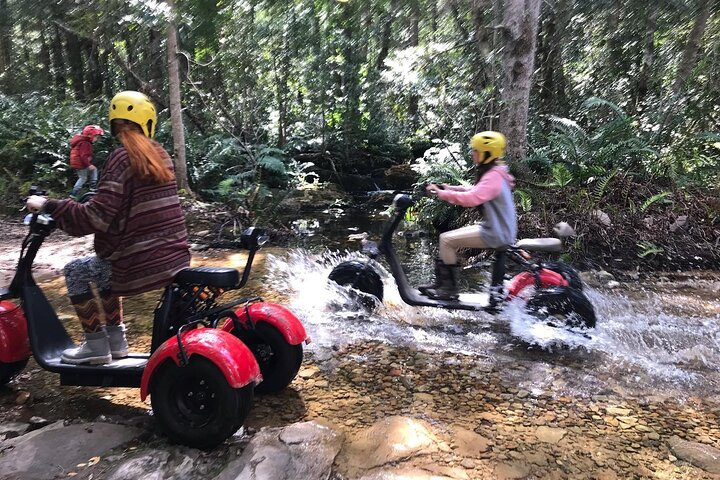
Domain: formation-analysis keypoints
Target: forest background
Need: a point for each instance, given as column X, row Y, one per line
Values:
column 611, row 107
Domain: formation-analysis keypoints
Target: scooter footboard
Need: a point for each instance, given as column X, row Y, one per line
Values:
column 276, row 315
column 228, row 353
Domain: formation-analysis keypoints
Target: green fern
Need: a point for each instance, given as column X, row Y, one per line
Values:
column 654, row 199
column 648, row 248
column 594, row 102
column 561, row 176
column 601, row 186
column 525, row 200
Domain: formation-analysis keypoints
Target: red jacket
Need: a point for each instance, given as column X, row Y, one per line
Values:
column 81, row 152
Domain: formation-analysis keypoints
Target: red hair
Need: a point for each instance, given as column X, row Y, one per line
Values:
column 145, row 159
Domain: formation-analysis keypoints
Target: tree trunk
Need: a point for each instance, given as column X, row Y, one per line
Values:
column 45, row 59
column 6, row 48
column 94, row 84
column 482, row 42
column 648, row 55
column 56, row 54
column 552, row 83
column 520, row 24
column 689, row 55
column 155, row 71
column 178, row 129
column 75, row 62
column 414, row 41
column 386, row 36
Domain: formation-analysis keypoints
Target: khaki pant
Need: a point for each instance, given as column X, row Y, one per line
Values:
column 452, row 241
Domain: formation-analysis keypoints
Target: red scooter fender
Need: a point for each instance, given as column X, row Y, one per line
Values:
column 276, row 315
column 14, row 342
column 548, row 278
column 228, row 353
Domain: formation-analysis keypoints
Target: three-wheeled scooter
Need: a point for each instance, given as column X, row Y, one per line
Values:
column 201, row 379
column 556, row 287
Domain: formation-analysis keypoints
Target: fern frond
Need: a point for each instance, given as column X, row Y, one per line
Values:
column 655, row 198
column 594, row 102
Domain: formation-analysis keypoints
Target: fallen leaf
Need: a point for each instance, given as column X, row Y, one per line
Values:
column 93, row 461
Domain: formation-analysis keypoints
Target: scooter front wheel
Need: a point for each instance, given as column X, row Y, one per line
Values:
column 562, row 306
column 195, row 405
column 278, row 360
column 361, row 277
column 8, row 371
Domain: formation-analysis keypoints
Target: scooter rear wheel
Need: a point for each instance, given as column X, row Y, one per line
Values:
column 568, row 272
column 562, row 307
column 278, row 360
column 195, row 405
column 360, row 277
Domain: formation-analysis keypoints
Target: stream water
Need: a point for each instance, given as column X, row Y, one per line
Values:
column 655, row 337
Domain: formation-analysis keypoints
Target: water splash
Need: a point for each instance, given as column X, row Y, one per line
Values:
column 638, row 344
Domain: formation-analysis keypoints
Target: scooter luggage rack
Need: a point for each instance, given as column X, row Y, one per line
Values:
column 213, row 315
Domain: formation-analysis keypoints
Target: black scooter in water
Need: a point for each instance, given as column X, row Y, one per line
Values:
column 552, row 290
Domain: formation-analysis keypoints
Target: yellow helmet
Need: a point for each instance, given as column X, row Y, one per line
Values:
column 491, row 142
column 135, row 107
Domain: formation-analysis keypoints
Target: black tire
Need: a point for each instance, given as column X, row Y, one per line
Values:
column 8, row 371
column 278, row 360
column 568, row 272
column 361, row 277
column 195, row 405
column 571, row 305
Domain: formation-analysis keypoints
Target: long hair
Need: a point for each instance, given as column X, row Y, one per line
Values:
column 483, row 168
column 145, row 159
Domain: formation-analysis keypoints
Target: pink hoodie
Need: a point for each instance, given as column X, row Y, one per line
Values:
column 488, row 188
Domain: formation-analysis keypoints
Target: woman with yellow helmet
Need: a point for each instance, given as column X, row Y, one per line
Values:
column 492, row 189
column 139, row 227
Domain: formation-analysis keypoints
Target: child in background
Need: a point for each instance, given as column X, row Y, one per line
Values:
column 81, row 157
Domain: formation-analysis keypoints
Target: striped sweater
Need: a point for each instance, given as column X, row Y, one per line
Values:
column 139, row 227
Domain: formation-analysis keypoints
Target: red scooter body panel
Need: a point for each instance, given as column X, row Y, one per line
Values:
column 548, row 278
column 228, row 353
column 14, row 342
column 276, row 315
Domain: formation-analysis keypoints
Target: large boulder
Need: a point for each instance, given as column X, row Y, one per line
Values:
column 302, row 450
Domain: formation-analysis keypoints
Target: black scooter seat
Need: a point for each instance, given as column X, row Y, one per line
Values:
column 221, row 277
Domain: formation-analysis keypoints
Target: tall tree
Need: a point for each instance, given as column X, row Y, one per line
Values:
column 688, row 58
column 6, row 70
column 520, row 25
column 178, row 128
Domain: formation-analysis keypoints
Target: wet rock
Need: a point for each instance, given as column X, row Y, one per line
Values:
column 399, row 177
column 149, row 465
column 302, row 450
column 405, row 473
column 550, row 435
column 468, row 443
column 698, row 454
column 56, row 449
column 601, row 217
column 38, row 422
column 13, row 429
column 22, row 398
column 509, row 471
column 389, row 440
column 679, row 222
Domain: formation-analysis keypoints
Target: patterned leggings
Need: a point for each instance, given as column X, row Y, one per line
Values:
column 79, row 275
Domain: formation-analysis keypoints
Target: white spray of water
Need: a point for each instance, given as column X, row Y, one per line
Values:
column 636, row 340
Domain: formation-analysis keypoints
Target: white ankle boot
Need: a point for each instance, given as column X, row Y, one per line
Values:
column 95, row 351
column 118, row 342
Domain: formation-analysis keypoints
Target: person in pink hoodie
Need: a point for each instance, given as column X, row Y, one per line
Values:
column 498, row 229
column 81, row 157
